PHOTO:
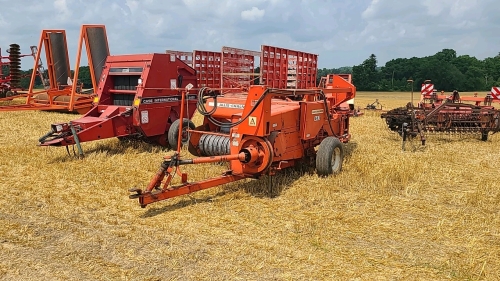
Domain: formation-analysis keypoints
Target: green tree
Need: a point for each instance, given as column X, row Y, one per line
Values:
column 366, row 76
column 445, row 69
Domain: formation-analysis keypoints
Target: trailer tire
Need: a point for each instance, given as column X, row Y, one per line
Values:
column 173, row 132
column 329, row 157
column 484, row 136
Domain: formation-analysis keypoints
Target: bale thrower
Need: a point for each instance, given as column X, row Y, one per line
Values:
column 259, row 133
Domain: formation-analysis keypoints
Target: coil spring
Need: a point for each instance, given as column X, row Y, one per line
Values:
column 15, row 65
column 213, row 145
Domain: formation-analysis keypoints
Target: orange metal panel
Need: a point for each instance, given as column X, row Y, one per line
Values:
column 287, row 69
column 47, row 46
column 238, row 67
column 312, row 119
column 208, row 68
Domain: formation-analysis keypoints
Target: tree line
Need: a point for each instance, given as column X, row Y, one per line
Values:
column 445, row 69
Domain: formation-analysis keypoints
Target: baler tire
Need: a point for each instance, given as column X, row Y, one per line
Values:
column 329, row 157
column 173, row 132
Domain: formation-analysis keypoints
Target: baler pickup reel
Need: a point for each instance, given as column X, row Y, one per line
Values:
column 258, row 133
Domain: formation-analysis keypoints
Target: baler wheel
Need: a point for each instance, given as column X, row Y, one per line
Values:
column 173, row 132
column 329, row 157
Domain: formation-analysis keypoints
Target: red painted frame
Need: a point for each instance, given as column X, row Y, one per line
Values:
column 186, row 57
column 287, row 69
column 237, row 67
column 208, row 68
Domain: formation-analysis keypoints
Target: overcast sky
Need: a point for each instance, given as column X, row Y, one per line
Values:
column 342, row 33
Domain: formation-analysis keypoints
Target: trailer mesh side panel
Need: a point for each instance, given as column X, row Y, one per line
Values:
column 60, row 57
column 98, row 43
column 208, row 68
column 287, row 69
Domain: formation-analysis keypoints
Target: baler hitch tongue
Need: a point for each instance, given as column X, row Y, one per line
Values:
column 56, row 131
column 46, row 136
column 158, row 191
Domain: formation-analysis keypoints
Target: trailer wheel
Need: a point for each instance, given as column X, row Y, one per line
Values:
column 329, row 157
column 484, row 136
column 173, row 132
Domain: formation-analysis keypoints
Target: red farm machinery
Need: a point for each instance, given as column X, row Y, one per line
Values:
column 146, row 104
column 259, row 133
column 445, row 114
column 138, row 96
column 234, row 69
column 10, row 71
column 259, row 125
column 327, row 81
column 61, row 90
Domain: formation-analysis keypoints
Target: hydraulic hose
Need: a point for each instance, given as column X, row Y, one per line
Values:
column 203, row 110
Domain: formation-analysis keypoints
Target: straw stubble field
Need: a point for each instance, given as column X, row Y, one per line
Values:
column 432, row 214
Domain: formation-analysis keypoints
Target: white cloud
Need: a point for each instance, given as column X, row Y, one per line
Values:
column 252, row 14
column 62, row 7
column 132, row 5
column 421, row 28
column 3, row 22
column 341, row 34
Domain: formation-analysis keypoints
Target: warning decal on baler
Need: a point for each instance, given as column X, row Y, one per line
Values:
column 317, row 111
column 144, row 117
column 252, row 121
